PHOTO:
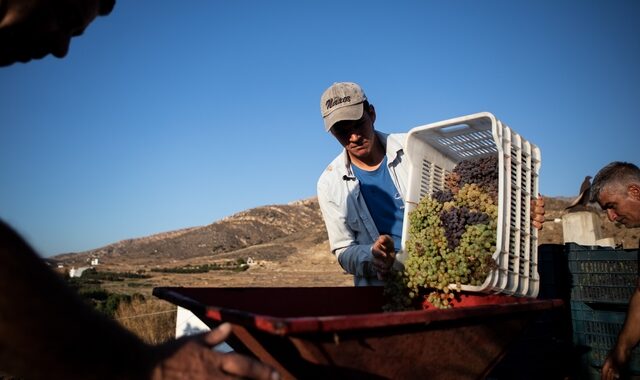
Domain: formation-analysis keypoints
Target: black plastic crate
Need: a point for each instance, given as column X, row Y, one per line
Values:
column 596, row 330
column 602, row 274
column 555, row 279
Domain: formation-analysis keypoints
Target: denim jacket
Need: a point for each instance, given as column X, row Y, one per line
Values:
column 350, row 227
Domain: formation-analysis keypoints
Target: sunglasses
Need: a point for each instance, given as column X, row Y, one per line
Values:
column 345, row 129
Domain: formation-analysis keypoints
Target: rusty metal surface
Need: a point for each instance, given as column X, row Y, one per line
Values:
column 342, row 333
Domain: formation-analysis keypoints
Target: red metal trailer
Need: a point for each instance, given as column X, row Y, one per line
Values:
column 341, row 332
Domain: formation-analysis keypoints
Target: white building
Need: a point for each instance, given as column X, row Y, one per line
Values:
column 73, row 272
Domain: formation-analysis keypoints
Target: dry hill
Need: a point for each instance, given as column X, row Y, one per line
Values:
column 288, row 243
column 298, row 222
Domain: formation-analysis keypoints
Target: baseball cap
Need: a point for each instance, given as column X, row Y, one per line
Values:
column 341, row 101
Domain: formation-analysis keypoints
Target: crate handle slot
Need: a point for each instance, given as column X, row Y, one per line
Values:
column 455, row 128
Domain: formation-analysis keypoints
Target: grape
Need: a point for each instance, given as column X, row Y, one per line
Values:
column 474, row 197
column 452, row 182
column 451, row 238
column 481, row 171
column 456, row 219
column 443, row 196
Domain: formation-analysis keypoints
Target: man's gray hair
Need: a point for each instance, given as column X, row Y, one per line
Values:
column 616, row 173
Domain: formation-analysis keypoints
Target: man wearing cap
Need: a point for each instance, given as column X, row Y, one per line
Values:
column 361, row 193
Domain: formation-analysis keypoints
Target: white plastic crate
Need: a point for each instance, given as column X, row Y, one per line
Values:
column 434, row 149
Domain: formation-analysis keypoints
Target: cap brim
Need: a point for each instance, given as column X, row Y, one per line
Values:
column 353, row 112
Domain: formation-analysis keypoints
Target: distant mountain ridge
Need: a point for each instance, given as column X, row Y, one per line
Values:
column 250, row 228
column 274, row 232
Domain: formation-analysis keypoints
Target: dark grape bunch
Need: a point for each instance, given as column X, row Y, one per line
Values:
column 451, row 240
column 443, row 195
column 456, row 219
column 481, row 171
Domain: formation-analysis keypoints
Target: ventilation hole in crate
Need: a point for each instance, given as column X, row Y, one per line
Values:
column 425, row 187
column 471, row 144
column 489, row 144
column 512, row 264
column 483, row 135
column 438, row 178
column 474, row 145
column 523, row 269
column 523, row 244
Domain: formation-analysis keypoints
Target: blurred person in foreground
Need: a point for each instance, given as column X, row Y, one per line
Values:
column 46, row 330
column 361, row 193
column 32, row 29
column 616, row 188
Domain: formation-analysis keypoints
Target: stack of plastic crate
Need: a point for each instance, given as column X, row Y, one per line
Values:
column 603, row 280
column 433, row 150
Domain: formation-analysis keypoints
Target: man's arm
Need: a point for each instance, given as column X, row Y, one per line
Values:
column 354, row 258
column 627, row 339
column 48, row 332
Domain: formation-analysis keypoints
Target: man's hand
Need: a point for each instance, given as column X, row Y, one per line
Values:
column 537, row 216
column 384, row 255
column 31, row 29
column 616, row 359
column 193, row 358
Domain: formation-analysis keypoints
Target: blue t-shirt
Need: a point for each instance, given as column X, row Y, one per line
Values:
column 383, row 200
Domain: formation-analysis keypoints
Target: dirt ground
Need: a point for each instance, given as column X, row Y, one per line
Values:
column 309, row 268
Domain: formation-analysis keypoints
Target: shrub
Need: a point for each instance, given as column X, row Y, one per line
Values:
column 97, row 294
column 236, row 266
column 154, row 321
column 111, row 304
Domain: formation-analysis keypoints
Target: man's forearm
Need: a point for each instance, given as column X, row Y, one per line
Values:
column 630, row 333
column 357, row 260
column 47, row 331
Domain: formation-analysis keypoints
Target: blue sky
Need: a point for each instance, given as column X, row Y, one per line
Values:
column 168, row 114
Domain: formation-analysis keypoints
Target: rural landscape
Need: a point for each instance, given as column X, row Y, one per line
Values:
column 270, row 246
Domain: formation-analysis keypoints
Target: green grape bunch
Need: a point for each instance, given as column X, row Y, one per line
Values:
column 451, row 239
